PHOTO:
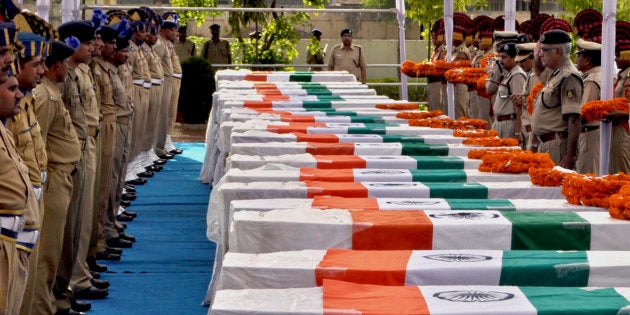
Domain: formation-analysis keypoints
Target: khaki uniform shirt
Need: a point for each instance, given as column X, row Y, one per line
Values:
column 591, row 92
column 512, row 84
column 155, row 65
column 622, row 86
column 177, row 66
column 139, row 65
column 120, row 77
column 184, row 50
column 162, row 51
column 28, row 139
column 62, row 143
column 108, row 108
column 15, row 184
column 89, row 91
column 461, row 52
column 350, row 59
column 562, row 95
column 216, row 52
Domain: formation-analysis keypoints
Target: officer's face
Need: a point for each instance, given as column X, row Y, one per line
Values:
column 6, row 59
column 151, row 39
column 506, row 61
column 346, row 39
column 109, row 48
column 120, row 56
column 97, row 45
column 10, row 97
column 140, row 35
column 31, row 73
column 215, row 32
column 621, row 63
column 84, row 52
column 581, row 62
column 551, row 56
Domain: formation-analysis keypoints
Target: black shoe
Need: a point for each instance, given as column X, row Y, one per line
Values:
column 153, row 168
column 127, row 237
column 129, row 196
column 122, row 227
column 160, row 162
column 176, row 151
column 100, row 284
column 117, row 242
column 165, row 156
column 94, row 266
column 80, row 306
column 95, row 275
column 137, row 181
column 91, row 293
column 124, row 218
column 125, row 203
column 130, row 188
column 114, row 250
column 107, row 256
column 132, row 214
column 145, row 174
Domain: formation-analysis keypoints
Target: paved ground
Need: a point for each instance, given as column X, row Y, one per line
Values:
column 189, row 133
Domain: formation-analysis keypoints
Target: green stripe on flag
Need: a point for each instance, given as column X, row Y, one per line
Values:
column 330, row 98
column 481, row 204
column 316, row 104
column 312, row 85
column 438, row 176
column 438, row 162
column 366, row 130
column 545, row 268
column 403, row 139
column 457, row 190
column 549, row 230
column 424, row 149
column 319, row 92
column 366, row 119
column 301, row 77
column 575, row 301
column 336, row 113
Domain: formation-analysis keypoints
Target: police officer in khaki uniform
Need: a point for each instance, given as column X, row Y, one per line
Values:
column 460, row 53
column 479, row 103
column 556, row 117
column 495, row 72
column 349, row 57
column 176, row 86
column 620, row 148
column 62, row 144
column 314, row 52
column 506, row 119
column 216, row 50
column 157, row 81
column 434, row 83
column 161, row 48
column 525, row 59
column 588, row 62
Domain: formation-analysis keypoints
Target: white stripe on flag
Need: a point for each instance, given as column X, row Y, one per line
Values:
column 372, row 175
column 397, row 190
column 608, row 268
column 454, row 267
column 390, row 162
column 472, row 229
column 477, row 300
column 356, row 138
column 607, row 233
column 391, row 148
column 413, row 204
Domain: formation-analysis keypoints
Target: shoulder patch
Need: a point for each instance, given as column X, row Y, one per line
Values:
column 97, row 72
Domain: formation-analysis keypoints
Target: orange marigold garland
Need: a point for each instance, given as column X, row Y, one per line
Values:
column 445, row 122
column 592, row 190
column 531, row 99
column 478, row 154
column 485, row 60
column 491, row 142
column 408, row 67
column 597, row 110
column 516, row 162
column 420, row 115
column 397, row 106
column 548, row 177
column 468, row 76
column 620, row 204
column 479, row 133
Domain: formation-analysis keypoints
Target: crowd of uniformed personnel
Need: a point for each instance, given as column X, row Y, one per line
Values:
column 539, row 52
column 86, row 113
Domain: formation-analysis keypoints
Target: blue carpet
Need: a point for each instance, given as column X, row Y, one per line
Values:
column 169, row 267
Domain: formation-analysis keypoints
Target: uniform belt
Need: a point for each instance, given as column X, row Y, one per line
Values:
column 157, row 81
column 506, row 117
column 11, row 226
column 138, row 82
column 147, row 84
column 93, row 132
column 589, row 128
column 122, row 120
column 28, row 239
column 528, row 128
column 552, row 135
column 67, row 168
column 177, row 75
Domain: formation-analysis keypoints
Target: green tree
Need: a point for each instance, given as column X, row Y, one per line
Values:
column 278, row 38
column 575, row 6
column 198, row 16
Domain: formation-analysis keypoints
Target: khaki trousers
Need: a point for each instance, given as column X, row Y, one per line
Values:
column 172, row 114
column 434, row 96
column 557, row 149
column 619, row 150
column 461, row 100
column 150, row 132
column 108, row 145
column 97, row 240
column 81, row 272
column 57, row 200
column 9, row 271
column 163, row 119
column 121, row 157
column 140, row 113
column 588, row 153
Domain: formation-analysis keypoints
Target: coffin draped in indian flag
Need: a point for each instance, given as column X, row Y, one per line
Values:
column 251, row 85
column 298, row 229
column 319, row 118
column 335, row 128
column 339, row 297
column 285, row 76
column 260, row 136
column 308, row 268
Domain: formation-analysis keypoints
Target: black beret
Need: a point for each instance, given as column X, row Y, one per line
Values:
column 82, row 30
column 508, row 48
column 122, row 42
column 108, row 33
column 59, row 51
column 346, row 31
column 316, row 32
column 215, row 27
column 555, row 37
